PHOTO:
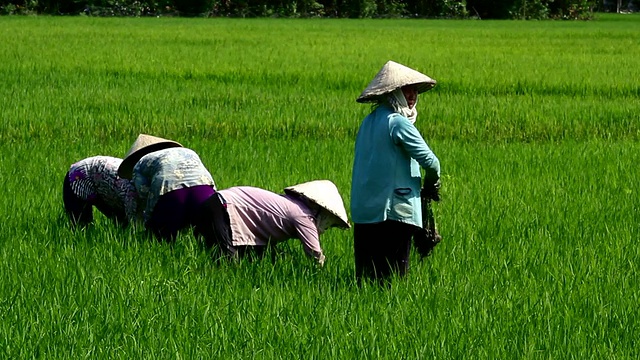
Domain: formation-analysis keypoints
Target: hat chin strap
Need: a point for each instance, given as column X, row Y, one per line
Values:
column 399, row 103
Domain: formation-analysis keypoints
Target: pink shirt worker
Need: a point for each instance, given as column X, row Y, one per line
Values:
column 250, row 218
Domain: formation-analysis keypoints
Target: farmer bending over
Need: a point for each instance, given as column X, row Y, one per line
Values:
column 171, row 183
column 94, row 181
column 250, row 219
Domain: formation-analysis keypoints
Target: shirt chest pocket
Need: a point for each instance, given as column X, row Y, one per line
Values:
column 401, row 204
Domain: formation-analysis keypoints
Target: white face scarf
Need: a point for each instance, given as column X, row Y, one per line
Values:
column 399, row 103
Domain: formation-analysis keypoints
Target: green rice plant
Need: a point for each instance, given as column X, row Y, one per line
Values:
column 535, row 124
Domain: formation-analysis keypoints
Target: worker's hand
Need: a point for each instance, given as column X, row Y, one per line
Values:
column 321, row 260
column 431, row 191
column 425, row 240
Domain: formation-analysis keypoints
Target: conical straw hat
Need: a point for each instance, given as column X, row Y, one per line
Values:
column 393, row 76
column 325, row 194
column 143, row 145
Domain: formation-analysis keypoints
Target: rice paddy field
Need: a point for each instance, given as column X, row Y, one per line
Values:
column 536, row 125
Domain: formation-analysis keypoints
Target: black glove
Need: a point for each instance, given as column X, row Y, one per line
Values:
column 431, row 191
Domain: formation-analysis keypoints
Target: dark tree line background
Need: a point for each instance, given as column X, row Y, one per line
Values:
column 483, row 9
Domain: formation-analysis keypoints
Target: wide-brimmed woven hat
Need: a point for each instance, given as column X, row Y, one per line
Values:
column 393, row 76
column 326, row 195
column 143, row 145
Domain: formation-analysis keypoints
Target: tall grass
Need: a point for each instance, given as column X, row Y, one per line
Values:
column 535, row 124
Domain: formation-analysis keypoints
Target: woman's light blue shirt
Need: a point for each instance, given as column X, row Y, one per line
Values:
column 386, row 177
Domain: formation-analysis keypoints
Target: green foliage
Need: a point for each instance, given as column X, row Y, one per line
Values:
column 454, row 9
column 535, row 124
column 438, row 8
column 129, row 8
column 29, row 7
column 530, row 9
column 365, row 8
column 8, row 9
column 575, row 9
column 518, row 9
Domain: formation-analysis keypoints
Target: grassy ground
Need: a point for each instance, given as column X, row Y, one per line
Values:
column 535, row 124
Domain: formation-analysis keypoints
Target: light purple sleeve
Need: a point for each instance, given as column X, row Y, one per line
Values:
column 308, row 234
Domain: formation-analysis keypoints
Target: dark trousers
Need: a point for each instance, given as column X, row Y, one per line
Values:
column 179, row 209
column 80, row 211
column 382, row 249
column 214, row 225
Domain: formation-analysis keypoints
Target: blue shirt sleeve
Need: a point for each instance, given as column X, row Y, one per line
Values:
column 406, row 135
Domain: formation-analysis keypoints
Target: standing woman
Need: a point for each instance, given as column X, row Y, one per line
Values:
column 386, row 178
column 94, row 181
column 171, row 182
